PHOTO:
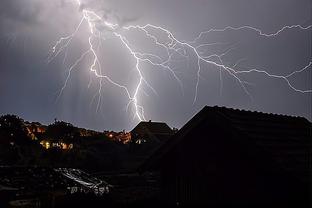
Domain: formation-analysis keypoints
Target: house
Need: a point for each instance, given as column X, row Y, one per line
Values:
column 146, row 137
column 225, row 157
column 35, row 127
column 146, row 132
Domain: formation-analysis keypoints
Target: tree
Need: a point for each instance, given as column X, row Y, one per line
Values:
column 13, row 136
column 61, row 130
column 12, row 129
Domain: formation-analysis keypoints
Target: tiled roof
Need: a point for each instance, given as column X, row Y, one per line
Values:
column 285, row 139
column 154, row 127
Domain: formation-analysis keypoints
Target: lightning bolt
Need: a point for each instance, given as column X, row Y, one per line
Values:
column 173, row 47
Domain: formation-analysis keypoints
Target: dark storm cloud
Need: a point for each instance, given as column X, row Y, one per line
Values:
column 29, row 86
column 19, row 11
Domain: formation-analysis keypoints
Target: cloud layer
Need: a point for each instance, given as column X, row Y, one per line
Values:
column 29, row 86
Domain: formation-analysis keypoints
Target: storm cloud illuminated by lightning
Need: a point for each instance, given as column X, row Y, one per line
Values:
column 108, row 64
column 173, row 47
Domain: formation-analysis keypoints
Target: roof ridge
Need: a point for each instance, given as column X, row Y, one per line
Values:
column 258, row 112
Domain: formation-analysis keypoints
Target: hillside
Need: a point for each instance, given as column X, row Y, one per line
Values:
column 61, row 144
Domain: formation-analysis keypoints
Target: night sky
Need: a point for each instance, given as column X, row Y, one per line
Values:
column 30, row 86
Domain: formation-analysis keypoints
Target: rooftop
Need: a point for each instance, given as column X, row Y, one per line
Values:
column 285, row 139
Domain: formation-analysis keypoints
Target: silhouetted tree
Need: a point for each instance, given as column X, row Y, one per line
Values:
column 12, row 129
column 14, row 140
column 61, row 130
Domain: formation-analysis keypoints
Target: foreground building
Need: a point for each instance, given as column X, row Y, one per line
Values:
column 230, row 157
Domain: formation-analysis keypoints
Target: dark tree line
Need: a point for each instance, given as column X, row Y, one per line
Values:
column 61, row 130
column 95, row 152
column 16, row 147
column 12, row 129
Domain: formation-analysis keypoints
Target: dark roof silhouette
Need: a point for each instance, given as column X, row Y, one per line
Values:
column 154, row 127
column 156, row 131
column 287, row 140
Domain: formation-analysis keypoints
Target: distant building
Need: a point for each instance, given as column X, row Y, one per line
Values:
column 34, row 129
column 231, row 157
column 151, row 132
column 48, row 144
column 122, row 136
column 88, row 133
column 146, row 137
